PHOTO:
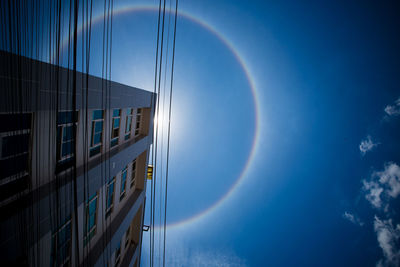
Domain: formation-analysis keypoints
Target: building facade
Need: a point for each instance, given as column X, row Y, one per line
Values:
column 74, row 156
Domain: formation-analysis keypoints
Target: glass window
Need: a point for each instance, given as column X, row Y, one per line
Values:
column 127, row 237
column 97, row 132
column 61, row 245
column 91, row 217
column 115, row 127
column 15, row 135
column 128, row 125
column 138, row 121
column 133, row 176
column 123, row 183
column 118, row 254
column 65, row 134
column 110, row 196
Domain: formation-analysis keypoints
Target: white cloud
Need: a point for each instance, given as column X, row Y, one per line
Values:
column 388, row 237
column 383, row 186
column 366, row 145
column 374, row 191
column 352, row 218
column 393, row 110
column 391, row 177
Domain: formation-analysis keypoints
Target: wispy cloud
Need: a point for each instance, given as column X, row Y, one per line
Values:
column 352, row 218
column 373, row 193
column 390, row 176
column 367, row 145
column 383, row 186
column 388, row 237
column 393, row 110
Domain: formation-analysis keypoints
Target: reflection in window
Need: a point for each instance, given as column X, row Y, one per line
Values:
column 110, row 196
column 133, row 175
column 123, row 183
column 91, row 217
column 115, row 127
column 138, row 122
column 97, row 132
column 65, row 134
column 128, row 125
column 61, row 245
column 15, row 132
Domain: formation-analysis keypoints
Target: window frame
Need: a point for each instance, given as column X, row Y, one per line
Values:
column 17, row 132
column 138, row 122
column 118, row 257
column 115, row 138
column 60, row 142
column 127, row 237
column 133, row 174
column 89, row 233
column 54, row 239
column 110, row 209
column 123, row 182
column 93, row 146
column 129, row 116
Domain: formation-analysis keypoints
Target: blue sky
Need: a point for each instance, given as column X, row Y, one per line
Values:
column 324, row 75
column 323, row 188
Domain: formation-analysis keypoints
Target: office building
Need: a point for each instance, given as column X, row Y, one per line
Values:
column 74, row 152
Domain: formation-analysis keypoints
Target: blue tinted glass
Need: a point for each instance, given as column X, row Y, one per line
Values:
column 97, row 139
column 116, row 123
column 92, row 207
column 114, row 142
column 95, row 151
column 66, row 117
column 67, row 148
column 109, row 201
column 68, row 133
column 97, row 114
column 128, row 124
column 116, row 112
column 98, row 127
column 91, row 222
column 92, row 196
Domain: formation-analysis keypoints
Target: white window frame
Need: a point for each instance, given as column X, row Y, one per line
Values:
column 129, row 115
column 93, row 229
column 112, row 125
column 61, row 158
column 109, row 209
column 123, row 193
column 138, row 120
column 92, row 146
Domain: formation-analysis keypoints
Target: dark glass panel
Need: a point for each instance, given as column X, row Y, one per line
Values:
column 15, row 144
column 97, row 114
column 65, row 117
column 13, row 122
column 68, row 133
column 116, row 112
column 13, row 165
column 94, row 151
column 98, row 127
